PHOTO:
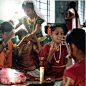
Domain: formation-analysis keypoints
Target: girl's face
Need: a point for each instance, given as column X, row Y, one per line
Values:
column 28, row 11
column 72, row 51
column 5, row 34
column 57, row 35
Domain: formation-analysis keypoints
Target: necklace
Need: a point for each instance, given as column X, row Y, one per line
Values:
column 57, row 61
column 81, row 59
column 31, row 24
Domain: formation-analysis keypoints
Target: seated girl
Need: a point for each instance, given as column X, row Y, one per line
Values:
column 52, row 56
column 75, row 74
column 25, row 52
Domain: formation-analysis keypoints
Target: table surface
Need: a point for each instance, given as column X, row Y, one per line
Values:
column 29, row 82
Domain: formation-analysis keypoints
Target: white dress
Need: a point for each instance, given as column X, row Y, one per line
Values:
column 74, row 19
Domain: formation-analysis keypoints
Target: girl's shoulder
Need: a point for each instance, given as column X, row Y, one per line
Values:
column 39, row 20
column 71, row 10
column 21, row 18
column 46, row 45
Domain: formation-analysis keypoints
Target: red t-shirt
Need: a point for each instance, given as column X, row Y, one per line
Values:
column 77, row 73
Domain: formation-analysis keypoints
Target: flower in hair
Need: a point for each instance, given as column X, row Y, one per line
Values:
column 49, row 29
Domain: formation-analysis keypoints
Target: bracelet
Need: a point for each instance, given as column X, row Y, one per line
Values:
column 3, row 44
column 47, row 62
column 20, row 51
column 40, row 48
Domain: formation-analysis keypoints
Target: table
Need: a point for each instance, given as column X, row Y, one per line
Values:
column 34, row 83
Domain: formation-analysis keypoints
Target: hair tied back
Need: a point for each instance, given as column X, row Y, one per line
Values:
column 49, row 29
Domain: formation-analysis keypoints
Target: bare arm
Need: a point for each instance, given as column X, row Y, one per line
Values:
column 68, row 81
column 38, row 42
column 20, row 50
column 17, row 26
column 52, row 50
column 72, row 16
column 36, row 29
column 35, row 48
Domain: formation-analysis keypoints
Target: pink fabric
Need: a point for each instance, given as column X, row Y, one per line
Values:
column 77, row 73
column 11, row 76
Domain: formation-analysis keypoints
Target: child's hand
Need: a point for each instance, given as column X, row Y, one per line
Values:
column 53, row 48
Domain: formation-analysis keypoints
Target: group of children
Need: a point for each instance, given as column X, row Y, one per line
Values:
column 30, row 55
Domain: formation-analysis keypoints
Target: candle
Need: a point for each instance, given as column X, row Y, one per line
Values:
column 41, row 75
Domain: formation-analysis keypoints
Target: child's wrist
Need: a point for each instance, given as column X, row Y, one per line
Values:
column 3, row 44
column 20, row 51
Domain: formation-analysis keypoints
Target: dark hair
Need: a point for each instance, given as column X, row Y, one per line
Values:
column 53, row 27
column 21, row 33
column 6, row 26
column 27, row 4
column 84, row 24
column 77, row 37
column 73, row 5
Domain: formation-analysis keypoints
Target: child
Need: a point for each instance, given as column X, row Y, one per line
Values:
column 6, row 45
column 53, row 55
column 75, row 74
column 25, row 52
column 72, row 17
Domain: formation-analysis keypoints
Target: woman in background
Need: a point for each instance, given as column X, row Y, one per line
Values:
column 75, row 74
column 33, row 19
column 72, row 17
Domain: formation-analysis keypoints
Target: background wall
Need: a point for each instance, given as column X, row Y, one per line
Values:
column 61, row 8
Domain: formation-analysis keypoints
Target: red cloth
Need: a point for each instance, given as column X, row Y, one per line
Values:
column 26, row 59
column 77, row 73
column 58, row 72
column 69, row 24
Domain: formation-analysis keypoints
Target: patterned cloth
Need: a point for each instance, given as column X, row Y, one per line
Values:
column 31, row 26
column 6, row 57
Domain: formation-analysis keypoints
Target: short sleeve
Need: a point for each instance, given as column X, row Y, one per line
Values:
column 34, row 47
column 43, row 53
column 39, row 21
column 21, row 20
column 68, row 72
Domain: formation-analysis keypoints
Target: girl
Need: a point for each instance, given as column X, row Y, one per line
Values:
column 6, row 45
column 26, row 60
column 72, row 17
column 52, row 56
column 75, row 74
column 33, row 19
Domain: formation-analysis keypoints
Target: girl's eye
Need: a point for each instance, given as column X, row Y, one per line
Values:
column 61, row 33
column 57, row 33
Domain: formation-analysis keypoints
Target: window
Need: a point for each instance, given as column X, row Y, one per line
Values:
column 81, row 11
column 44, row 8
